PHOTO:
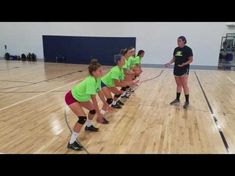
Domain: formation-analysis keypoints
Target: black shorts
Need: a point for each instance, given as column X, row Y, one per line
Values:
column 181, row 71
column 103, row 84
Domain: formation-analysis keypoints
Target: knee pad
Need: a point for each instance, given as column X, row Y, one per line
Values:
column 123, row 88
column 117, row 95
column 109, row 101
column 92, row 112
column 81, row 119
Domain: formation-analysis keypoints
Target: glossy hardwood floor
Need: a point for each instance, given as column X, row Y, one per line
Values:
column 32, row 113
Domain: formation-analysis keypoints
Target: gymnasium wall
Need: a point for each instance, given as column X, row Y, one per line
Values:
column 158, row 39
column 79, row 50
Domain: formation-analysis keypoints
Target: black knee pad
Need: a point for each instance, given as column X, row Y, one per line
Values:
column 81, row 119
column 92, row 111
column 117, row 95
column 109, row 100
column 123, row 88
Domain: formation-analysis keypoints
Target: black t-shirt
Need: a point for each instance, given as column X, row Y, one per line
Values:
column 182, row 55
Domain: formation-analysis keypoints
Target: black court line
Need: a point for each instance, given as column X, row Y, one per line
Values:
column 214, row 117
column 41, row 81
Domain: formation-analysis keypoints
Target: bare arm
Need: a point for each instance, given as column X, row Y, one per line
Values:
column 170, row 62
column 123, row 83
column 93, row 98
column 101, row 95
column 190, row 60
column 129, row 72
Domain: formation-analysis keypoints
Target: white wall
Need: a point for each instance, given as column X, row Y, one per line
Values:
column 158, row 39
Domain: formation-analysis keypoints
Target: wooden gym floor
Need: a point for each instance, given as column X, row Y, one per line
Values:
column 32, row 113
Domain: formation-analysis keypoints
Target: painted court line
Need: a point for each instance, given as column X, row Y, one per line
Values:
column 214, row 117
column 37, row 95
column 231, row 80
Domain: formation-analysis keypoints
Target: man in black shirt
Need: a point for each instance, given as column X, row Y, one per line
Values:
column 182, row 57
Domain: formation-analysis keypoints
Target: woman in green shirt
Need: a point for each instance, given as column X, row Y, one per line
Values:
column 79, row 97
column 129, row 74
column 129, row 56
column 136, row 62
column 113, row 79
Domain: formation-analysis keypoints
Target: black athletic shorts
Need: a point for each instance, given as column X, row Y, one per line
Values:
column 181, row 71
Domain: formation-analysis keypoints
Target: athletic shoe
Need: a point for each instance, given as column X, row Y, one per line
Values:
column 125, row 96
column 117, row 106
column 104, row 121
column 186, row 104
column 174, row 102
column 91, row 128
column 132, row 89
column 120, row 103
column 74, row 146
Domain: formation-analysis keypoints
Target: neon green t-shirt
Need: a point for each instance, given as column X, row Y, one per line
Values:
column 136, row 60
column 128, row 63
column 116, row 73
column 83, row 91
